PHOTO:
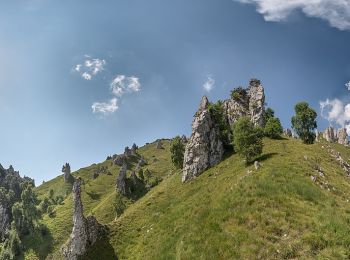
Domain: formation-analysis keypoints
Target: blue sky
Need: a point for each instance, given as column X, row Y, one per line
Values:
column 80, row 80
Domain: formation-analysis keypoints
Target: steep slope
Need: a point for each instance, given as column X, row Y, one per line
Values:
column 230, row 212
column 98, row 196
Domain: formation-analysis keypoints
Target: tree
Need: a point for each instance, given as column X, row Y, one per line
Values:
column 247, row 140
column 177, row 150
column 217, row 112
column 12, row 246
column 273, row 128
column 304, row 122
column 269, row 113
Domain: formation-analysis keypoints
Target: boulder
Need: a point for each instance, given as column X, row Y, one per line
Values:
column 257, row 165
column 86, row 231
column 204, row 148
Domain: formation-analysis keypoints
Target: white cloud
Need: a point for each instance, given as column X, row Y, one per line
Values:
column 105, row 108
column 90, row 67
column 122, row 84
column 86, row 76
column 209, row 84
column 336, row 12
column 335, row 111
column 347, row 85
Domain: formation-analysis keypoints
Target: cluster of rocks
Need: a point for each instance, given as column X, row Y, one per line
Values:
column 332, row 135
column 125, row 185
column 86, row 231
column 204, row 148
column 337, row 156
column 121, row 158
column 100, row 170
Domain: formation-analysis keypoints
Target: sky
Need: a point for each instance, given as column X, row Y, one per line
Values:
column 80, row 80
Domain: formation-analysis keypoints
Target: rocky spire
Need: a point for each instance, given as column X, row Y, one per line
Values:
column 343, row 136
column 121, row 180
column 86, row 231
column 67, row 173
column 330, row 134
column 204, row 148
column 256, row 102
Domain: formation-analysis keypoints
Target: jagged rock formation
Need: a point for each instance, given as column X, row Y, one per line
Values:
column 184, row 139
column 250, row 103
column 287, row 132
column 67, row 173
column 121, row 180
column 204, row 148
column 86, row 231
column 330, row 134
column 343, row 137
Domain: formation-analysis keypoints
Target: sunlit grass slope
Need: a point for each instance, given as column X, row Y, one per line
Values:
column 276, row 212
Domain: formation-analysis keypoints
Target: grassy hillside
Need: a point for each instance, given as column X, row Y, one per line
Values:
column 230, row 212
column 98, row 196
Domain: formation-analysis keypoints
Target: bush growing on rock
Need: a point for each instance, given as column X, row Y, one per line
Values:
column 220, row 120
column 247, row 140
column 273, row 128
column 177, row 150
column 304, row 122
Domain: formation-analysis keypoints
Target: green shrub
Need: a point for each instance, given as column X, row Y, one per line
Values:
column 273, row 128
column 238, row 94
column 247, row 140
column 217, row 112
column 177, row 150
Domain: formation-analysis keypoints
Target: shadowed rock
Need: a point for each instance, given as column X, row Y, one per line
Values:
column 86, row 231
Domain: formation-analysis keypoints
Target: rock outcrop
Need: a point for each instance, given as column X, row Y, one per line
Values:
column 343, row 137
column 330, row 134
column 121, row 180
column 287, row 132
column 127, row 151
column 249, row 102
column 67, row 176
column 119, row 160
column 86, row 231
column 204, row 148
column 134, row 148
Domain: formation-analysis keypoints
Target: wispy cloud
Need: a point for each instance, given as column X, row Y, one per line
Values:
column 122, row 84
column 119, row 86
column 90, row 67
column 336, row 12
column 347, row 85
column 209, row 84
column 336, row 112
column 105, row 108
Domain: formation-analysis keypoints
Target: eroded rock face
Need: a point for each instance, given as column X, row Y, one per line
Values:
column 121, row 180
column 317, row 134
column 330, row 134
column 343, row 136
column 119, row 160
column 204, row 148
column 86, row 231
column 67, row 173
column 134, row 149
column 250, row 104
